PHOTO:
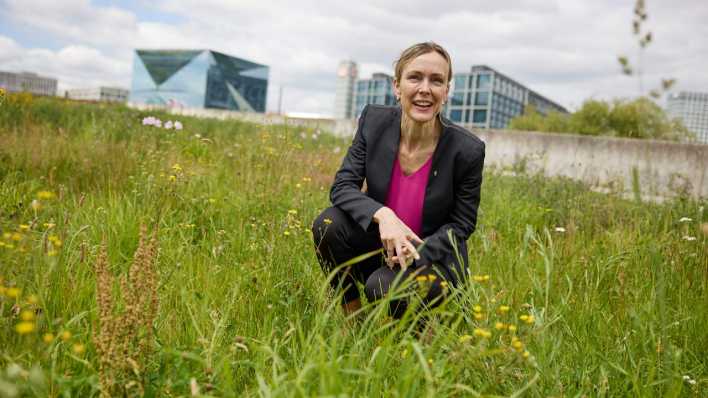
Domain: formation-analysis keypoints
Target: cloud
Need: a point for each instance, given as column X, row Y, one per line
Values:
column 564, row 50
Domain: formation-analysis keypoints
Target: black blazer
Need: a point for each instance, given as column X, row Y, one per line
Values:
column 451, row 196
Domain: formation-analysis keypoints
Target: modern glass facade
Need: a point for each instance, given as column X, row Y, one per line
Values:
column 198, row 79
column 377, row 90
column 692, row 109
column 485, row 98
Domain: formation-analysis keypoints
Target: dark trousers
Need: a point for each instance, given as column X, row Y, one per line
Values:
column 338, row 238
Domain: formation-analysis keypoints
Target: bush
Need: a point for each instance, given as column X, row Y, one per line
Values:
column 638, row 118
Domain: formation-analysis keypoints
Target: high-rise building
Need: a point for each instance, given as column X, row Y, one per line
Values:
column 377, row 90
column 28, row 82
column 198, row 79
column 485, row 98
column 343, row 95
column 692, row 109
column 103, row 94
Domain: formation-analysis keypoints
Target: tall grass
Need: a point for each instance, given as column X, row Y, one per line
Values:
column 613, row 293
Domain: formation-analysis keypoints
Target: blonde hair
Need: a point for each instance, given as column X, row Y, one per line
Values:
column 417, row 50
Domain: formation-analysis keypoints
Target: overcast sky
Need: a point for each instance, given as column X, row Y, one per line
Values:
column 565, row 49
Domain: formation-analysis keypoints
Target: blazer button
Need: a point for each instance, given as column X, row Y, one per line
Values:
column 435, row 173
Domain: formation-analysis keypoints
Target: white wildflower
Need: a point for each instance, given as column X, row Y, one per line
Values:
column 560, row 229
column 692, row 382
column 686, row 377
column 197, row 136
column 337, row 149
column 157, row 123
column 178, row 125
column 689, row 238
column 148, row 121
column 685, row 219
column 303, row 135
column 168, row 125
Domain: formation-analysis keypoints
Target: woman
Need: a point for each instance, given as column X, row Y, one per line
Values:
column 423, row 176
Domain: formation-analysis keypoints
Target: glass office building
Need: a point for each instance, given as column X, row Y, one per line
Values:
column 377, row 90
column 485, row 98
column 198, row 79
column 692, row 109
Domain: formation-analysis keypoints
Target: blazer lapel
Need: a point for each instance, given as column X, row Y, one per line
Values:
column 390, row 139
column 433, row 176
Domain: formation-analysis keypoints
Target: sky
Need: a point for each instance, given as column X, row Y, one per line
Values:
column 565, row 50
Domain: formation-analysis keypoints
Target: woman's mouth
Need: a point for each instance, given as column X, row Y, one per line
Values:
column 423, row 105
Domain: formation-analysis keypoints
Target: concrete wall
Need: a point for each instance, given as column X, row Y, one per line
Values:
column 660, row 169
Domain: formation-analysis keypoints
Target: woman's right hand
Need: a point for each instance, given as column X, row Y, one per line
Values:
column 397, row 238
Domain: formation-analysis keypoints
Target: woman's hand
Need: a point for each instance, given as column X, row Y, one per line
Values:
column 397, row 238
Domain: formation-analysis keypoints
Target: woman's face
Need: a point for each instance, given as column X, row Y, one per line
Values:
column 423, row 86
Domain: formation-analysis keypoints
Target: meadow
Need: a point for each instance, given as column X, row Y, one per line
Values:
column 571, row 292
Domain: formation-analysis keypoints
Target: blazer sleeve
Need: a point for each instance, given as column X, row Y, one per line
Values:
column 346, row 190
column 462, row 221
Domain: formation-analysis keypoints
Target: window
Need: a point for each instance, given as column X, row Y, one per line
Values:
column 479, row 116
column 457, row 98
column 481, row 98
column 456, row 115
column 459, row 82
column 483, row 81
column 467, row 116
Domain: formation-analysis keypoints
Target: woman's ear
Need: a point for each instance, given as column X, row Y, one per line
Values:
column 396, row 89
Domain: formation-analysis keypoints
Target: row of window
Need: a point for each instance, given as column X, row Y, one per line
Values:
column 462, row 80
column 477, row 116
column 480, row 98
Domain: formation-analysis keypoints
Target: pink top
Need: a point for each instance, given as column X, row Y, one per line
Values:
column 407, row 193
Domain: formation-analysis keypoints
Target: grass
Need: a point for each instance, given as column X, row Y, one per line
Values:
column 615, row 305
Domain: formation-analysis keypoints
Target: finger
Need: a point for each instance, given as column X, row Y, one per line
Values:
column 401, row 256
column 413, row 237
column 411, row 250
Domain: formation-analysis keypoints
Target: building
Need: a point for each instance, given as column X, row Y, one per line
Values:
column 485, row 98
column 198, row 79
column 28, row 82
column 692, row 109
column 344, row 93
column 103, row 94
column 377, row 90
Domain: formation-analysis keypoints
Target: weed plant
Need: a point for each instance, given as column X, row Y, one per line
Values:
column 571, row 292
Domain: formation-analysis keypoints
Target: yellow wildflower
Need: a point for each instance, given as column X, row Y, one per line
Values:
column 465, row 338
column 443, row 284
column 529, row 319
column 176, row 167
column 432, row 278
column 518, row 345
column 499, row 326
column 6, row 235
column 79, row 348
column 478, row 316
column 173, row 178
column 65, row 335
column 24, row 227
column 48, row 338
column 483, row 333
column 286, row 233
column 504, row 309
column 524, row 318
column 481, row 278
column 52, row 253
column 404, row 353
column 13, row 292
column 36, row 205
column 16, row 236
column 27, row 315
column 32, row 299
column 45, row 195
column 477, row 308
column 421, row 278
column 298, row 185
column 526, row 354
column 49, row 225
column 24, row 327
column 512, row 328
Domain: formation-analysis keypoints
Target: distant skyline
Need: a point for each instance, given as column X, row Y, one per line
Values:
column 565, row 50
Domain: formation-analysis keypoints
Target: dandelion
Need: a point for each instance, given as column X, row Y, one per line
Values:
column 48, row 338
column 518, row 345
column 45, row 195
column 526, row 354
column 524, row 318
column 685, row 219
column 529, row 319
column 689, row 238
column 178, row 125
column 27, row 315
column 78, row 348
column 504, row 309
column 477, row 308
column 65, row 335
column 499, row 326
column 560, row 229
column 24, row 327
